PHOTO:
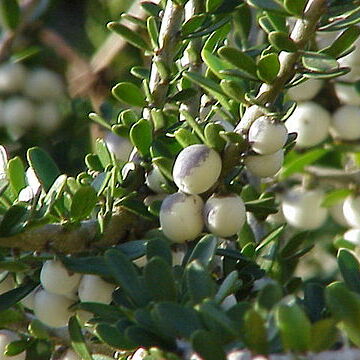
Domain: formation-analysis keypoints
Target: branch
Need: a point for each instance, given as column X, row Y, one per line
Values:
column 303, row 30
column 60, row 239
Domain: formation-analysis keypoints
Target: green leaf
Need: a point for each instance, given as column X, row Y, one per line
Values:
column 274, row 235
column 230, row 285
column 128, row 117
column 335, row 196
column 207, row 345
column 159, row 280
column 323, row 335
column 282, row 42
column 125, row 275
column 87, row 265
column 186, row 138
column 14, row 220
column 10, row 13
column 112, row 336
column 319, row 62
column 129, row 35
column 129, row 93
column 239, row 59
column 193, row 124
column 345, row 307
column 159, row 247
column 78, row 340
column 233, row 89
column 204, row 251
column 213, row 138
column 350, row 269
column 37, row 329
column 83, row 202
column 176, row 320
column 102, row 152
column 44, row 167
column 298, row 163
column 255, row 335
column 16, row 174
column 144, row 338
column 268, row 5
column 213, row 5
column 141, row 136
column 137, row 207
column 209, row 85
column 93, row 162
column 295, row 7
column 12, row 297
column 98, row 119
column 269, row 296
column 294, row 326
column 199, row 282
column 192, row 24
column 268, row 67
column 153, row 31
column 165, row 165
column 16, row 347
column 343, row 42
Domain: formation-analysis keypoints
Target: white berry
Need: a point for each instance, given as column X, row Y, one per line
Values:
column 48, row 117
column 7, row 337
column 12, row 78
column 154, row 179
column 224, row 215
column 93, row 288
column 337, row 213
column 52, row 309
column 44, row 84
column 302, row 208
column 56, row 279
column 181, row 217
column 352, row 210
column 196, row 169
column 353, row 236
column 266, row 136
column 346, row 122
column 347, row 94
column 265, row 165
column 311, row 122
column 305, row 90
column 119, row 145
column 19, row 113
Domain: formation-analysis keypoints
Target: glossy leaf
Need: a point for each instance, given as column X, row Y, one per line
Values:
column 319, row 62
column 213, row 138
column 343, row 42
column 186, row 138
column 129, row 93
column 268, row 67
column 268, row 5
column 129, row 35
column 16, row 174
column 44, row 167
column 350, row 269
column 12, row 297
column 141, row 136
column 13, row 220
column 77, row 339
column 282, row 42
column 295, row 7
column 204, row 251
column 230, row 285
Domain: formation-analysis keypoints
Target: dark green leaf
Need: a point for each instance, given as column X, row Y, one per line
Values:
column 268, row 67
column 14, row 220
column 129, row 93
column 141, row 136
column 176, row 320
column 12, row 297
column 137, row 207
column 159, row 247
column 282, row 42
column 204, row 251
column 323, row 335
column 274, row 235
column 83, row 202
column 159, row 280
column 129, row 35
column 343, row 42
column 268, row 5
column 112, row 336
column 125, row 275
column 87, row 265
column 207, row 345
column 78, row 340
column 212, row 5
column 233, row 89
column 10, row 13
column 45, row 168
column 269, row 296
column 199, row 282
column 319, row 62
column 16, row 347
column 192, row 24
column 350, row 269
column 230, row 285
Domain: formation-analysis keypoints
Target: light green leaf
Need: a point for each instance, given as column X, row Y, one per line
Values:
column 129, row 93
